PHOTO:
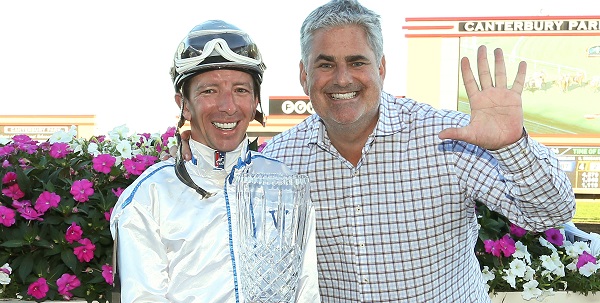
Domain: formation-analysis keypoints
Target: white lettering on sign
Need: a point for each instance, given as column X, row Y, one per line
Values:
column 299, row 107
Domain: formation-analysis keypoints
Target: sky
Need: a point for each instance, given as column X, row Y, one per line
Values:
column 111, row 58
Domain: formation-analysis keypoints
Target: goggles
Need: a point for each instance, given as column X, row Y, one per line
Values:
column 234, row 46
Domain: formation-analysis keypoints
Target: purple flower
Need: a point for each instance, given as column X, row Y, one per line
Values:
column 554, row 236
column 103, row 163
column 82, row 190
column 584, row 259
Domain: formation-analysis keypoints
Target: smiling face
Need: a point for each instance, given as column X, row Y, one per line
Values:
column 343, row 77
column 219, row 105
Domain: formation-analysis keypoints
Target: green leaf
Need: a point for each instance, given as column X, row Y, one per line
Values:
column 14, row 243
column 25, row 266
column 68, row 257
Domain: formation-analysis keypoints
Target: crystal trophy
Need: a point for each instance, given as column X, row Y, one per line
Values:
column 273, row 212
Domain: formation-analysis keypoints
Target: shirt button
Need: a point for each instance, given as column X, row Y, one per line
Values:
column 358, row 209
column 361, row 244
column 365, row 280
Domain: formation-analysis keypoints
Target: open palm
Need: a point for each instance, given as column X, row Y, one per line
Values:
column 496, row 110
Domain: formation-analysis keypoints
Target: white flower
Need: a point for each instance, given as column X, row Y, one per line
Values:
column 124, row 149
column 487, row 274
column 510, row 277
column 588, row 269
column 62, row 136
column 530, row 290
column 547, row 244
column 4, row 278
column 518, row 267
column 548, row 262
column 118, row 133
column 575, row 249
column 93, row 149
column 529, row 273
column 5, row 271
column 172, row 142
column 521, row 252
column 572, row 266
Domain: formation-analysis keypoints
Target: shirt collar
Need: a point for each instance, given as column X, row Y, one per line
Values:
column 206, row 156
column 392, row 119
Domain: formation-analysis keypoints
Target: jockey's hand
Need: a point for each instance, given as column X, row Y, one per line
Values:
column 496, row 111
column 185, row 146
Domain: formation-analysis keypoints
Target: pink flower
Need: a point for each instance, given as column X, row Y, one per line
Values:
column 46, row 200
column 38, row 289
column 13, row 191
column 490, row 247
column 24, row 208
column 59, row 150
column 22, row 139
column 506, row 245
column 85, row 252
column 9, row 178
column 138, row 164
column 7, row 216
column 103, row 163
column 66, row 283
column 118, row 191
column 107, row 273
column 584, row 259
column 82, row 190
column 554, row 236
column 108, row 214
column 6, row 150
column 74, row 233
column 517, row 231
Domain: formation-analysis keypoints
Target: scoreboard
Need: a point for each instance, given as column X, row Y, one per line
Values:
column 582, row 165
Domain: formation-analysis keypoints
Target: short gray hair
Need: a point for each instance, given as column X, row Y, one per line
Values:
column 339, row 13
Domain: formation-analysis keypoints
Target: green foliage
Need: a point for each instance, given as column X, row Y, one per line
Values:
column 536, row 264
column 34, row 245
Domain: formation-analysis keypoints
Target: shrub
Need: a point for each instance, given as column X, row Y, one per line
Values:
column 55, row 204
column 536, row 264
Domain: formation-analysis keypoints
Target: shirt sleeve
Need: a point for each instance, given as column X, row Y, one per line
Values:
column 525, row 183
column 141, row 255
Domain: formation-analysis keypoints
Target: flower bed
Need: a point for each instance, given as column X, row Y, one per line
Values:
column 536, row 264
column 55, row 205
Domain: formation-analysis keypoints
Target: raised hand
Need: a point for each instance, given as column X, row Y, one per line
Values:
column 496, row 110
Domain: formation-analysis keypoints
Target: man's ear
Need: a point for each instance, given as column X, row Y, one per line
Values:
column 178, row 100
column 303, row 77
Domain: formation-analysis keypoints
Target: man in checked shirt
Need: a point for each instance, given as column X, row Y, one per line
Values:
column 394, row 181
